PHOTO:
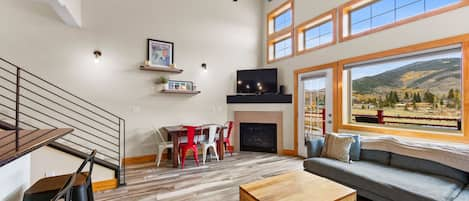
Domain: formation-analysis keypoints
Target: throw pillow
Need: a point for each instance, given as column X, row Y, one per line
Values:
column 355, row 147
column 337, row 147
column 314, row 146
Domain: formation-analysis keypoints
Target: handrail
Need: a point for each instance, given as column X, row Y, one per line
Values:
column 39, row 103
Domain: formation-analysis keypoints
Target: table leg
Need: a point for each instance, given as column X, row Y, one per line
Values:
column 170, row 150
column 220, row 148
column 175, row 150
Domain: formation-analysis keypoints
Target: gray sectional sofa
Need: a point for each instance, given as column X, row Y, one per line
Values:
column 384, row 176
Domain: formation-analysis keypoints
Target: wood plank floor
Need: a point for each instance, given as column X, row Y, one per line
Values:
column 217, row 181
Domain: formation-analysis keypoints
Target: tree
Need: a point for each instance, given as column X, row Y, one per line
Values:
column 406, row 95
column 417, row 98
column 428, row 97
column 451, row 94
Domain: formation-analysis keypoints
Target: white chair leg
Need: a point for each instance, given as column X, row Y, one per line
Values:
column 204, row 155
column 215, row 150
column 160, row 154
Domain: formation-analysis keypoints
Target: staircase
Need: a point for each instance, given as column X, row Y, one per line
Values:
column 35, row 112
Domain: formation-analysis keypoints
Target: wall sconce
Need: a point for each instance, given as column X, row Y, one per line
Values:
column 97, row 55
column 204, row 66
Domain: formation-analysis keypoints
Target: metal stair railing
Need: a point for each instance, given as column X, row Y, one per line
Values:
column 28, row 101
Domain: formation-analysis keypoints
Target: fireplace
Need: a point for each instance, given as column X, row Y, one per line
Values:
column 258, row 137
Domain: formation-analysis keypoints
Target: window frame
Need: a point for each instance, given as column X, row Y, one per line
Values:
column 345, row 19
column 300, row 31
column 276, row 36
column 463, row 40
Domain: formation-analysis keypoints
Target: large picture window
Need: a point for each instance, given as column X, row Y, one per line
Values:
column 421, row 90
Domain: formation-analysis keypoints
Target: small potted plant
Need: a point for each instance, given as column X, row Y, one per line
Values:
column 164, row 81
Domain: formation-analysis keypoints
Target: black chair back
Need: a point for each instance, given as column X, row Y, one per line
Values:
column 66, row 191
column 90, row 160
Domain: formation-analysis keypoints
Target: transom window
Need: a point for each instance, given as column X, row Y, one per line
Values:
column 421, row 91
column 318, row 32
column 367, row 15
column 283, row 20
column 319, row 35
column 280, row 32
column 283, row 48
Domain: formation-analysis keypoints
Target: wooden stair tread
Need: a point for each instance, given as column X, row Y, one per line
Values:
column 29, row 140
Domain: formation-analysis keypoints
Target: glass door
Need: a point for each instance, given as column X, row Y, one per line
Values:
column 315, row 102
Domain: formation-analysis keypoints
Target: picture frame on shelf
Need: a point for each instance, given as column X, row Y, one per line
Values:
column 180, row 85
column 160, row 53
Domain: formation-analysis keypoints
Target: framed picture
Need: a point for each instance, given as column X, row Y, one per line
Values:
column 160, row 53
column 181, row 85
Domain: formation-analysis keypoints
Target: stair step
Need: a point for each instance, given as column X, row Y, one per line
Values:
column 29, row 140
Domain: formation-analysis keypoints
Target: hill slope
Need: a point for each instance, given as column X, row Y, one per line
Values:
column 437, row 75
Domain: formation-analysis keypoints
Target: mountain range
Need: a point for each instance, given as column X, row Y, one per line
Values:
column 438, row 76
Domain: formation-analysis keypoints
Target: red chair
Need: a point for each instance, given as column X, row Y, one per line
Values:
column 190, row 145
column 226, row 136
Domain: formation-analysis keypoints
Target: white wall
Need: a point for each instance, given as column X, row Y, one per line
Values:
column 59, row 163
column 15, row 178
column 224, row 34
column 436, row 27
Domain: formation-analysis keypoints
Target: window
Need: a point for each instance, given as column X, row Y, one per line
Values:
column 280, row 47
column 420, row 91
column 365, row 16
column 280, row 18
column 318, row 32
column 279, row 32
column 320, row 35
column 283, row 21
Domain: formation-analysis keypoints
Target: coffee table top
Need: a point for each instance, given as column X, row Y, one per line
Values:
column 298, row 185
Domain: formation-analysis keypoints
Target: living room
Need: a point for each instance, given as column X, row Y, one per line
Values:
column 269, row 87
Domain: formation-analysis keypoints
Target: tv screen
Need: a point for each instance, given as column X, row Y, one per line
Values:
column 257, row 81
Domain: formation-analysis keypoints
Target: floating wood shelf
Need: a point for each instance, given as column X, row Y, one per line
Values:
column 161, row 69
column 169, row 91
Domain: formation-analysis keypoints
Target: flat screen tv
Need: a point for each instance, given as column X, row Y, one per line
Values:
column 257, row 81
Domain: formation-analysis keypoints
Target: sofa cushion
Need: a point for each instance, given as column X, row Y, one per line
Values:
column 464, row 195
column 386, row 181
column 375, row 156
column 426, row 166
column 314, row 146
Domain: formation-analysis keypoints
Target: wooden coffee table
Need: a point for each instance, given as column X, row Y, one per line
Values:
column 293, row 186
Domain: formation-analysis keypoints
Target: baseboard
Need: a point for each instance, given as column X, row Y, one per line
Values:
column 140, row 159
column 151, row 158
column 287, row 152
column 104, row 185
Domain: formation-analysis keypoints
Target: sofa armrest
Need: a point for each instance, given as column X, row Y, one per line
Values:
column 314, row 146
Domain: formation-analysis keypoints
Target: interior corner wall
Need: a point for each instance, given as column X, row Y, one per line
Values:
column 15, row 178
column 445, row 25
column 222, row 33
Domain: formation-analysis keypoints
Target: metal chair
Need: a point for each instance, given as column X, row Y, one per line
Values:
column 210, row 143
column 47, row 188
column 162, row 144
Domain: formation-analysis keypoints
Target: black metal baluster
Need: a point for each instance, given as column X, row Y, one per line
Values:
column 17, row 110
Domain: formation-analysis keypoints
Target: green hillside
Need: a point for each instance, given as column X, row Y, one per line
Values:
column 437, row 76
